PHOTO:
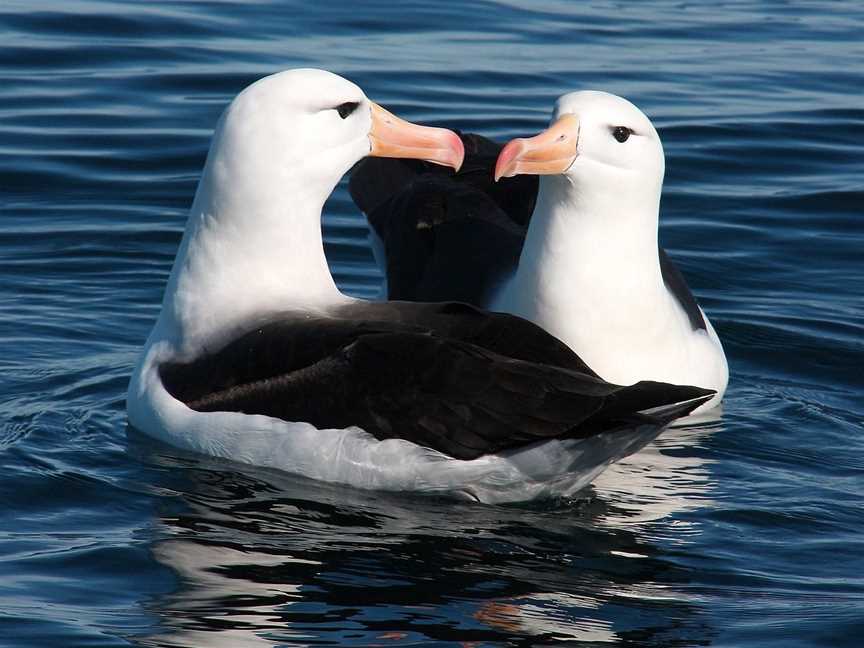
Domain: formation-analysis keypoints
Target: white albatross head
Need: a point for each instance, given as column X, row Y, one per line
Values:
column 598, row 141
column 302, row 130
column 253, row 241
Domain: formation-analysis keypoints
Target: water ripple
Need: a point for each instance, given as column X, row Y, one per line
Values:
column 743, row 529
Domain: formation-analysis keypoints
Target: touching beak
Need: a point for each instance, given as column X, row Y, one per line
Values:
column 396, row 138
column 551, row 152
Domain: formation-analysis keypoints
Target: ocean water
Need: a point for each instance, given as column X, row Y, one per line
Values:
column 746, row 531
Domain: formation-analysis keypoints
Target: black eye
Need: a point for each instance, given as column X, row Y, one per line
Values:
column 347, row 108
column 621, row 133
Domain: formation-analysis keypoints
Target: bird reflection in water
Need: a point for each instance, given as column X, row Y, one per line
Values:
column 264, row 558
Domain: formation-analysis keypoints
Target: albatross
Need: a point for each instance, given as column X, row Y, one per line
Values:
column 257, row 357
column 569, row 242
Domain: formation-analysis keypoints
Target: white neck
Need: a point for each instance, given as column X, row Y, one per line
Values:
column 577, row 239
column 589, row 263
column 252, row 247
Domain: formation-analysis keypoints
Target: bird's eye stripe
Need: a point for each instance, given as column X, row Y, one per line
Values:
column 621, row 133
column 347, row 108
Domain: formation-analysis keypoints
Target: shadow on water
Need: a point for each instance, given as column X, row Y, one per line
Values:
column 265, row 558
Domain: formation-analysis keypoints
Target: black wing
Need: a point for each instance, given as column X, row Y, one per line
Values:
column 398, row 378
column 458, row 236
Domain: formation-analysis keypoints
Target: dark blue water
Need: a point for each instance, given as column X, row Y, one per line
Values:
column 745, row 532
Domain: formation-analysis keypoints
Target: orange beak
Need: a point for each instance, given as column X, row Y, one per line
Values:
column 396, row 138
column 549, row 153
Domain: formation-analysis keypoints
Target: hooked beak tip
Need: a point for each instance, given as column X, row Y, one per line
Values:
column 457, row 151
column 505, row 167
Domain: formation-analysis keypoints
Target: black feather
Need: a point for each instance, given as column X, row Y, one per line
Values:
column 446, row 376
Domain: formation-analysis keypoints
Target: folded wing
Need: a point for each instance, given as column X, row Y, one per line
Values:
column 446, row 387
